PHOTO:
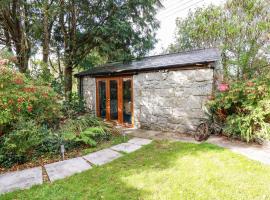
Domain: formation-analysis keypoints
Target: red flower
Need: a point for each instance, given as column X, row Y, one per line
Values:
column 10, row 101
column 3, row 62
column 30, row 108
column 250, row 84
column 18, row 81
column 20, row 100
column 223, row 87
column 30, row 89
column 45, row 95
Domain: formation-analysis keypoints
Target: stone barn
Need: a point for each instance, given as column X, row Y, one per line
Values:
column 163, row 92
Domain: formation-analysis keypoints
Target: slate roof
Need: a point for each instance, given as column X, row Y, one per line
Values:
column 159, row 62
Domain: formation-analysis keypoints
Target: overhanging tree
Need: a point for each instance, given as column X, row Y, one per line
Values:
column 16, row 26
column 118, row 29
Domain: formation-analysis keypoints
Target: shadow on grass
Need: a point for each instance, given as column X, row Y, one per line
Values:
column 108, row 181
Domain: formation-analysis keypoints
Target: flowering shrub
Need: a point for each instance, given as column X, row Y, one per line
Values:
column 29, row 119
column 244, row 107
column 223, row 87
column 23, row 97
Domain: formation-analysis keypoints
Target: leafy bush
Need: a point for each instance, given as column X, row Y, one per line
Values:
column 21, row 96
column 86, row 129
column 30, row 113
column 29, row 140
column 245, row 109
column 50, row 143
column 74, row 106
column 18, row 146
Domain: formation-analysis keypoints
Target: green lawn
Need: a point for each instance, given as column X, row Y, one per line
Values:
column 164, row 170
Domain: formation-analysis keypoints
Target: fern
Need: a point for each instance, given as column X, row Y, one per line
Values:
column 86, row 129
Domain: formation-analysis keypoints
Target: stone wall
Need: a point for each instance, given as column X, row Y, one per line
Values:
column 89, row 93
column 164, row 100
column 171, row 100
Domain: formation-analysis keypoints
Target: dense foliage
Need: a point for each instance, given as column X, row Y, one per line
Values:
column 21, row 96
column 240, row 29
column 86, row 130
column 34, row 122
column 74, row 106
column 73, row 30
column 28, row 140
column 20, row 144
column 245, row 109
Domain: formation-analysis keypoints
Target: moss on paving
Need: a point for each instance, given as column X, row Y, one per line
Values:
column 164, row 170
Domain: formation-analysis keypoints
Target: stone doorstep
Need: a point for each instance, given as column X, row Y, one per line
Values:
column 126, row 147
column 142, row 133
column 63, row 169
column 20, row 179
column 140, row 141
column 102, row 157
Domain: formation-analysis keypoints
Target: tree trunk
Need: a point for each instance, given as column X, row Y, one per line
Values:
column 22, row 63
column 22, row 54
column 46, row 33
column 68, row 81
column 8, row 40
column 15, row 21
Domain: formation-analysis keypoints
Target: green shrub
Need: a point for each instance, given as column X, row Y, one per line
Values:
column 86, row 129
column 29, row 140
column 50, row 143
column 245, row 109
column 74, row 106
column 19, row 145
column 21, row 96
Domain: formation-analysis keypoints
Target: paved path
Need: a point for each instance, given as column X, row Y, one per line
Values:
column 62, row 169
column 20, row 179
column 102, row 157
column 259, row 153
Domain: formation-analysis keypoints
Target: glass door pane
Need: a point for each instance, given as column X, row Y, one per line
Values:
column 127, row 101
column 113, row 99
column 102, row 98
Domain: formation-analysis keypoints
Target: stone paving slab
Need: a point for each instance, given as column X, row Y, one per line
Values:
column 102, row 157
column 141, row 133
column 255, row 152
column 62, row 169
column 260, row 153
column 20, row 179
column 159, row 135
column 126, row 147
column 140, row 141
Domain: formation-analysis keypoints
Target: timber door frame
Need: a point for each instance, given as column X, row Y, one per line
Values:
column 119, row 80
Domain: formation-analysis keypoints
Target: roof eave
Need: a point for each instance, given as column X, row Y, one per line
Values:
column 135, row 71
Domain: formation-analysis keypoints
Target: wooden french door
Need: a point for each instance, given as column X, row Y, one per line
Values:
column 114, row 99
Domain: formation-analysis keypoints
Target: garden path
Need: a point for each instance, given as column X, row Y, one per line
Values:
column 256, row 152
column 27, row 178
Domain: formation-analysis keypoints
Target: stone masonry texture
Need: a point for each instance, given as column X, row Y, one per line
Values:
column 165, row 100
column 172, row 100
column 89, row 93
